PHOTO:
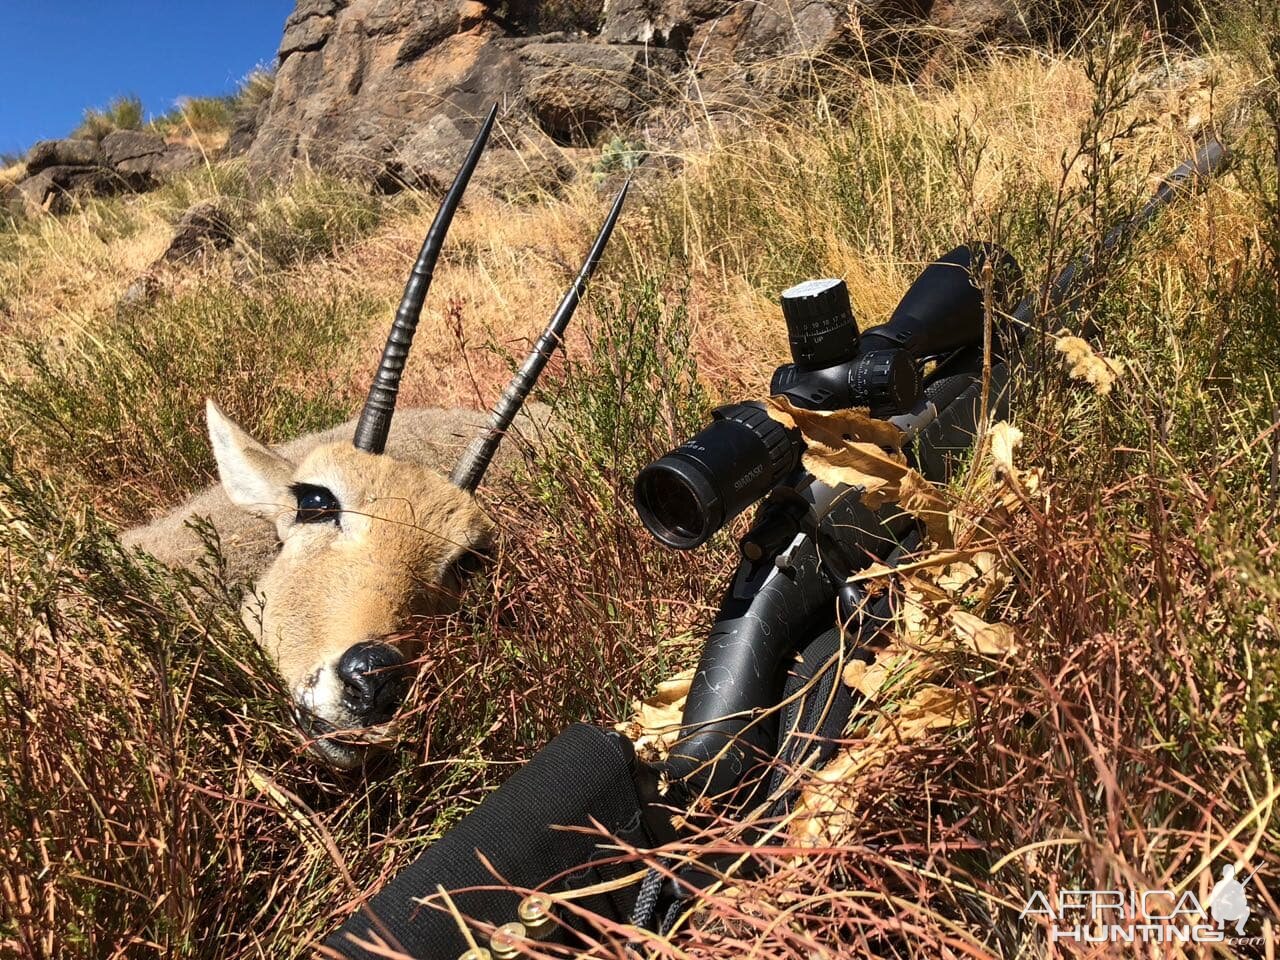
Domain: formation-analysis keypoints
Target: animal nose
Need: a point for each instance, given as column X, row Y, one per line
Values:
column 373, row 680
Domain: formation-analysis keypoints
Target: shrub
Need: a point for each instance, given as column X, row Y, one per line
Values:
column 315, row 215
column 123, row 113
column 199, row 116
column 121, row 411
column 255, row 88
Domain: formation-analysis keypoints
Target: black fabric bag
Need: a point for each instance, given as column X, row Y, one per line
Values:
column 582, row 777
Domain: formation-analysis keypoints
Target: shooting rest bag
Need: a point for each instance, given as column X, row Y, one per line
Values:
column 581, row 779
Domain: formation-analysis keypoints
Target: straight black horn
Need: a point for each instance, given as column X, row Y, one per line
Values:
column 471, row 467
column 375, row 418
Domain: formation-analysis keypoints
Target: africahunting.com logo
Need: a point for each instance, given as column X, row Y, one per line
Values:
column 1148, row 916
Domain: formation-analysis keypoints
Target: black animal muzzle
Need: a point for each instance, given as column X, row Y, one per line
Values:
column 374, row 681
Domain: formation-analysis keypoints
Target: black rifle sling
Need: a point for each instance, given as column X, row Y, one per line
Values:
column 818, row 706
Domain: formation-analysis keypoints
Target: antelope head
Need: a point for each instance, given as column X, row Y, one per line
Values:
column 368, row 541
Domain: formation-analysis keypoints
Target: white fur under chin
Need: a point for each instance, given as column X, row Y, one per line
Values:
column 331, row 732
column 340, row 756
column 322, row 718
column 321, row 696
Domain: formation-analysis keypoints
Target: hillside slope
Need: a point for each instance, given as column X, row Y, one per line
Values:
column 156, row 802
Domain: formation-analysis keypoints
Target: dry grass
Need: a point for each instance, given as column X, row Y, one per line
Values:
column 155, row 802
column 13, row 172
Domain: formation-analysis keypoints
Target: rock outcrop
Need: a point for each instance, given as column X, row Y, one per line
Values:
column 392, row 90
column 577, row 90
column 204, row 228
column 54, row 187
column 57, row 171
column 143, row 158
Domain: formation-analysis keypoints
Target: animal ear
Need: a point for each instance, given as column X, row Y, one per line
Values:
column 254, row 477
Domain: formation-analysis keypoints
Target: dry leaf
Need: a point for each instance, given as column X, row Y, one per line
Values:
column 1003, row 437
column 976, row 580
column 932, row 708
column 930, row 621
column 850, row 447
column 859, row 465
column 847, row 447
column 677, row 688
column 974, row 633
column 833, row 428
column 881, row 571
column 1084, row 364
column 924, row 501
column 655, row 723
column 997, row 490
column 854, row 675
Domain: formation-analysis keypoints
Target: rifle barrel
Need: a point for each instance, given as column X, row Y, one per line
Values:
column 1209, row 160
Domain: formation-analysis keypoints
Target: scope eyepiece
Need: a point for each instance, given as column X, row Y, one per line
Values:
column 820, row 324
column 942, row 309
column 687, row 495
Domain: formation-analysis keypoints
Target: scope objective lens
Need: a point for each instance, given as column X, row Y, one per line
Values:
column 684, row 497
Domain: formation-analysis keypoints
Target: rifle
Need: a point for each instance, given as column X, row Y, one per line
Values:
column 538, row 860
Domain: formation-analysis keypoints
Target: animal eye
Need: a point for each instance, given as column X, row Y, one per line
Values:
column 316, row 504
column 471, row 562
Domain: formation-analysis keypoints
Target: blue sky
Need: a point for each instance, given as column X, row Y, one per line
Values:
column 60, row 56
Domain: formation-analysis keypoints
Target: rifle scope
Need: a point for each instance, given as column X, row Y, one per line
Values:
column 687, row 495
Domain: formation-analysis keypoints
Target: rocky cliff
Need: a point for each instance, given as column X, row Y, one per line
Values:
column 392, row 90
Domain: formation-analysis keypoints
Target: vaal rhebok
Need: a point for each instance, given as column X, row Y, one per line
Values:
column 360, row 535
